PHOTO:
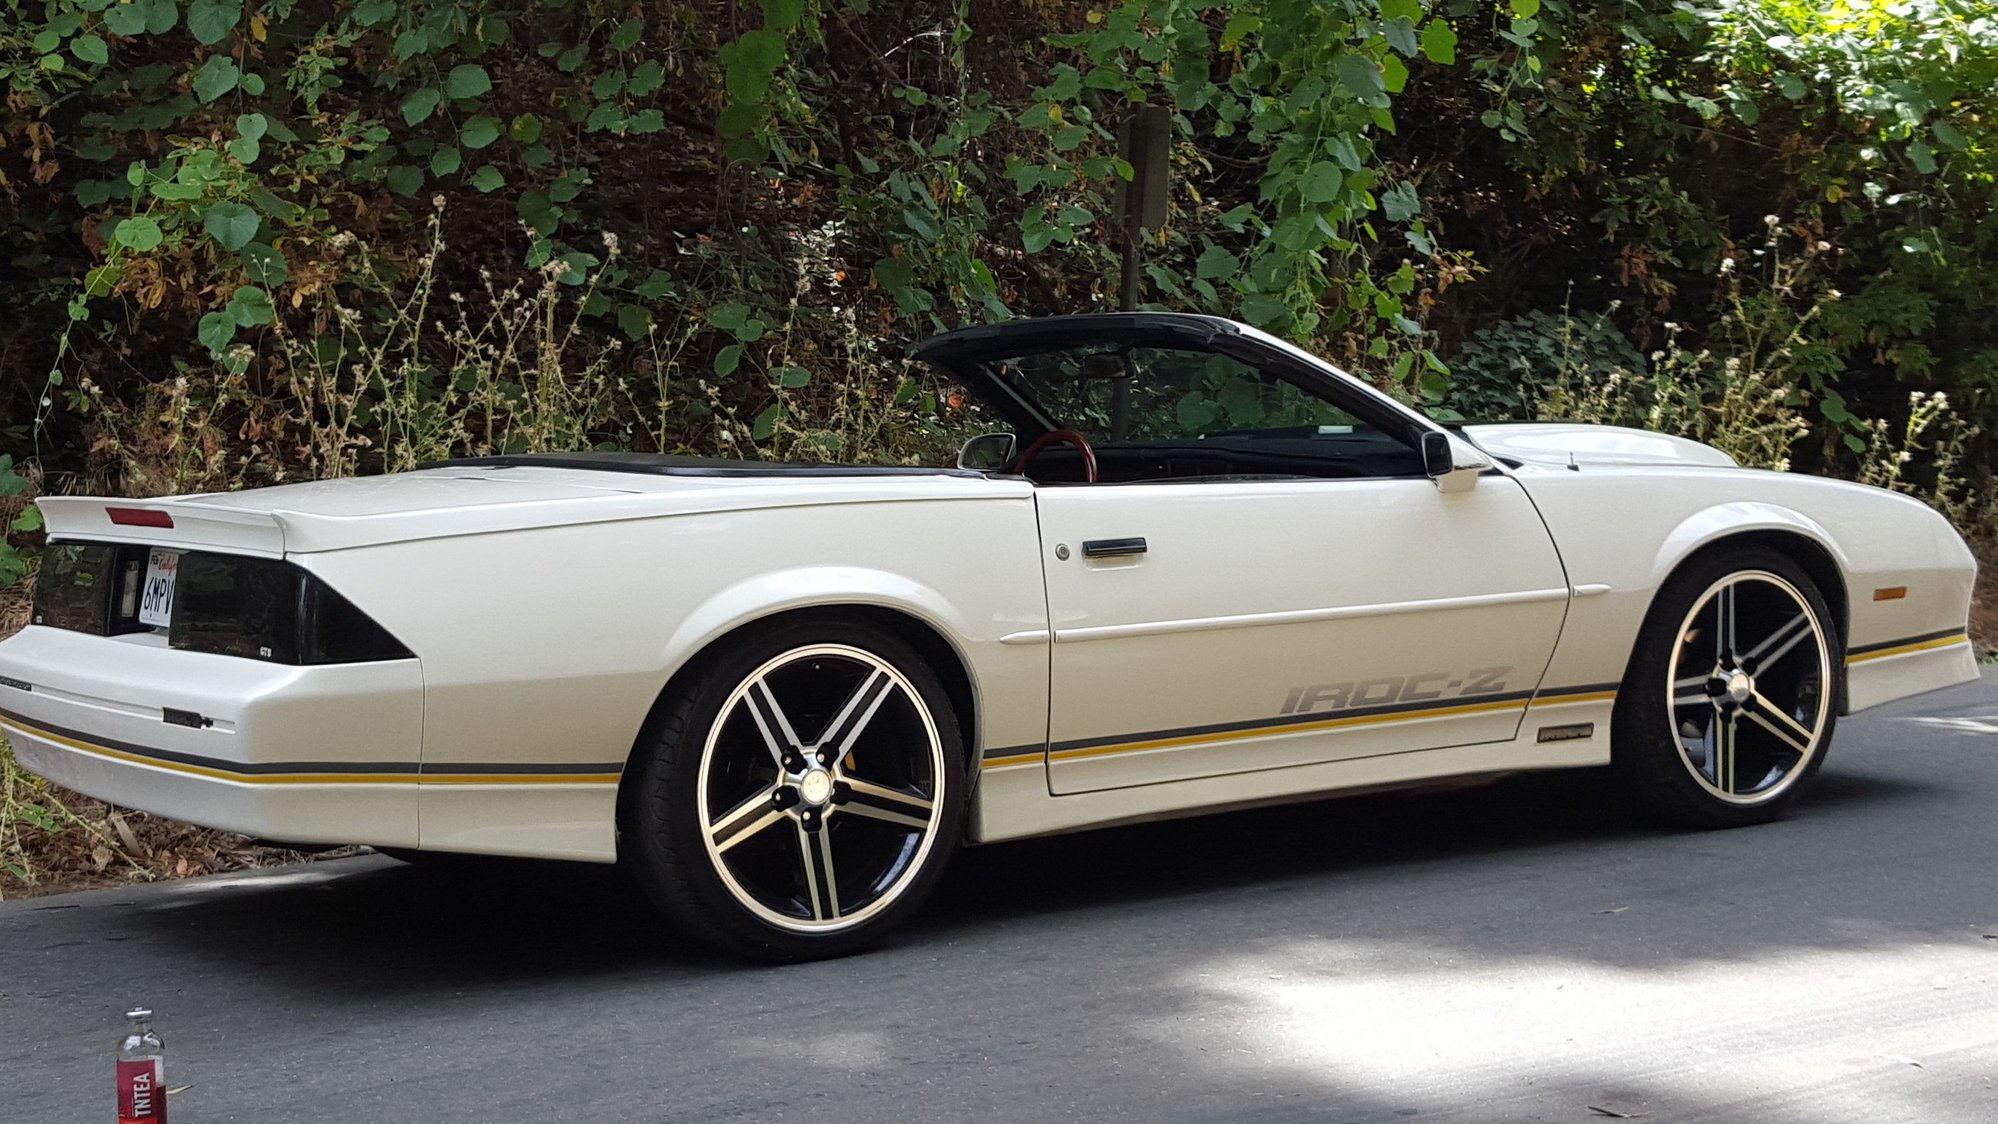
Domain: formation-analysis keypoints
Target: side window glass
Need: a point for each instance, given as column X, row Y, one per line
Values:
column 1111, row 394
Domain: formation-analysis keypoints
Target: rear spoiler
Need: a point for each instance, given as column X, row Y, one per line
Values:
column 163, row 522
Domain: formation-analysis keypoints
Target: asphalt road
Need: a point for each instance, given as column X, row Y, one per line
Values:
column 1516, row 952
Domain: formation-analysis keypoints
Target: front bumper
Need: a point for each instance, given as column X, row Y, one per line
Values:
column 322, row 754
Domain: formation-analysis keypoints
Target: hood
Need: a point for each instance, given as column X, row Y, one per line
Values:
column 1562, row 443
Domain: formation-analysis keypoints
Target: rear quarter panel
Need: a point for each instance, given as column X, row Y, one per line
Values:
column 551, row 645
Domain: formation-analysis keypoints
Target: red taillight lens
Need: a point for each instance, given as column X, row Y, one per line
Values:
column 139, row 517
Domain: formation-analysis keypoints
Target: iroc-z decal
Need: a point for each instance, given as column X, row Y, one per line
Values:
column 1394, row 689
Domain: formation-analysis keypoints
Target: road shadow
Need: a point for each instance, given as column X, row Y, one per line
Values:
column 381, row 926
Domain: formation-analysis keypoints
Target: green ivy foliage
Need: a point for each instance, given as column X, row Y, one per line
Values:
column 1379, row 179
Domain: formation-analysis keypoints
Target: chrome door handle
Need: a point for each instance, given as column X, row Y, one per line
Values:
column 1112, row 548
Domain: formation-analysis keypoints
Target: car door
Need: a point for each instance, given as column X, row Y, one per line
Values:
column 1264, row 624
column 1263, row 574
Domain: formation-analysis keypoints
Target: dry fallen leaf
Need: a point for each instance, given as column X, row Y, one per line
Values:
column 180, row 1088
column 1618, row 909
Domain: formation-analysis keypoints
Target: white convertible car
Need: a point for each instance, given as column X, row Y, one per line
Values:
column 1215, row 572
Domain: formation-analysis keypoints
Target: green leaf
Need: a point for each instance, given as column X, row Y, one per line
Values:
column 420, row 104
column 140, row 232
column 479, row 132
column 1263, row 310
column 411, row 43
column 232, row 225
column 127, row 20
column 250, row 306
column 264, row 265
column 790, row 378
column 645, row 79
column 1035, row 234
column 627, row 35
column 1439, row 43
column 1525, row 9
column 404, row 180
column 252, row 126
column 28, row 521
column 728, row 315
column 634, row 321
column 1320, row 183
column 749, row 63
column 161, row 15
column 467, row 81
column 1948, row 136
column 782, row 13
column 526, row 128
column 1400, row 35
column 1394, row 73
column 728, row 359
column 1216, row 262
column 446, row 160
column 211, row 21
column 1922, row 157
column 488, row 178
column 244, row 150
column 90, row 49
column 216, row 77
column 1410, row 10
column 1362, row 76
column 216, row 331
column 766, row 422
column 369, row 13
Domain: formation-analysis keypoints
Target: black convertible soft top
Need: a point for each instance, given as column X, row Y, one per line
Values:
column 667, row 464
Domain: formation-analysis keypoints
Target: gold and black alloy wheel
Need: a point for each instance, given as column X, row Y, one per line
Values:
column 1732, row 692
column 800, row 796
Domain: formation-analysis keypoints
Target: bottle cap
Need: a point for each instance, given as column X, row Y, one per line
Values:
column 139, row 1013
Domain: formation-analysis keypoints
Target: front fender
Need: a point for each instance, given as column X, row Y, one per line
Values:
column 1712, row 524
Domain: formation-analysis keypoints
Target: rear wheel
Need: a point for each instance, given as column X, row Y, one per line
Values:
column 1729, row 703
column 799, row 797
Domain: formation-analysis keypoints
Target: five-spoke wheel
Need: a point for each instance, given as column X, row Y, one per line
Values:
column 1730, row 698
column 801, row 792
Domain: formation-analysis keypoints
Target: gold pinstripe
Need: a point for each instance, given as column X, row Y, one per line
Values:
column 1275, row 729
column 1904, row 649
column 305, row 778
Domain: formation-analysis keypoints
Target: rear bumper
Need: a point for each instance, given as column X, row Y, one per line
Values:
column 325, row 754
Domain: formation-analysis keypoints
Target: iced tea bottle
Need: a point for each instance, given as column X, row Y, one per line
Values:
column 141, row 1072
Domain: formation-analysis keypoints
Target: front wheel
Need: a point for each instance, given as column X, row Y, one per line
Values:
column 799, row 797
column 1729, row 702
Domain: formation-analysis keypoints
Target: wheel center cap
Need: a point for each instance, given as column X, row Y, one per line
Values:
column 1740, row 686
column 816, row 786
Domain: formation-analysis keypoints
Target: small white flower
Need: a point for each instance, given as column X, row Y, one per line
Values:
column 1727, row 265
column 1770, row 220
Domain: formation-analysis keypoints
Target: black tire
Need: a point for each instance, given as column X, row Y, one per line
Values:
column 1682, row 764
column 722, row 875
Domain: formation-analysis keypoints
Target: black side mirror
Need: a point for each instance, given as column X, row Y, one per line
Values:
column 1437, row 459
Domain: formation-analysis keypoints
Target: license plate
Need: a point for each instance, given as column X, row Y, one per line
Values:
column 156, row 596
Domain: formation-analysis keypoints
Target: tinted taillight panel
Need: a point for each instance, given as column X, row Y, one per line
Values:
column 224, row 604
